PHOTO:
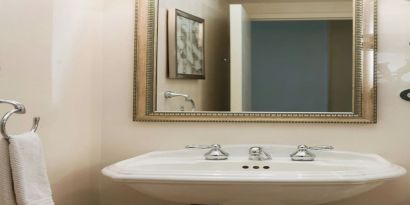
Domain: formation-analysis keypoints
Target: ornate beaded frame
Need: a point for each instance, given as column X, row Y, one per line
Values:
column 364, row 75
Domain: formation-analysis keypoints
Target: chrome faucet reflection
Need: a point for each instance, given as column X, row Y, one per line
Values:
column 258, row 154
column 171, row 94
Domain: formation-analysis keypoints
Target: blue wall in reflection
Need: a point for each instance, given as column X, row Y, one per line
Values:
column 290, row 66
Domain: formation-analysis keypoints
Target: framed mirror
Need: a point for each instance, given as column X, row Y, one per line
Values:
column 299, row 61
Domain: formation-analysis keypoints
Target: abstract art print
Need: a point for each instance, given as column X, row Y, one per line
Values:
column 186, row 58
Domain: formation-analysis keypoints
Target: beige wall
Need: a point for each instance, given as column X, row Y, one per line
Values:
column 390, row 138
column 50, row 59
column 212, row 93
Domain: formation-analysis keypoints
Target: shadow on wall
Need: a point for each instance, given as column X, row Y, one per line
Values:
column 408, row 200
column 66, row 192
column 401, row 75
column 116, row 193
column 390, row 190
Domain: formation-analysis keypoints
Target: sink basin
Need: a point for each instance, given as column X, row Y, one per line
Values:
column 184, row 176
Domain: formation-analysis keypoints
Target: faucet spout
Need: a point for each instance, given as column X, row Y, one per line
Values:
column 170, row 94
column 258, row 154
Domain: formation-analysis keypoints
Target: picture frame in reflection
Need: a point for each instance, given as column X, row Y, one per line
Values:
column 186, row 50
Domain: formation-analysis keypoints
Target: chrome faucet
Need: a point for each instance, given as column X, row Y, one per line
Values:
column 215, row 152
column 171, row 94
column 258, row 154
column 304, row 152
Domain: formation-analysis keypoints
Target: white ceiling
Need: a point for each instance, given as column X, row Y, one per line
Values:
column 297, row 9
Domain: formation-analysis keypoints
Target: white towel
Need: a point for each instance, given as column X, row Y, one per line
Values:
column 6, row 183
column 31, row 185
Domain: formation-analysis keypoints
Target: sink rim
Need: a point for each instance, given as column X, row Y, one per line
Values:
column 384, row 171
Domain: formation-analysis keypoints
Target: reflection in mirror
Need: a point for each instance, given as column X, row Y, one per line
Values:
column 255, row 56
column 300, row 66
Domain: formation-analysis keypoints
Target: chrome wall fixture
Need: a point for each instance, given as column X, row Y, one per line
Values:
column 18, row 109
column 405, row 95
column 171, row 94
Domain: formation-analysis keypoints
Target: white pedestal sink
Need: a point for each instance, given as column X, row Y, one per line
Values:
column 184, row 176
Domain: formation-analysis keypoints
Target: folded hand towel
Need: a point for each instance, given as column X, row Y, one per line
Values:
column 6, row 183
column 31, row 184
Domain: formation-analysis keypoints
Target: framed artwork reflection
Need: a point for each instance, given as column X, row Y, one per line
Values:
column 186, row 51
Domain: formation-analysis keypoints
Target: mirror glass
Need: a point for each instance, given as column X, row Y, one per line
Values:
column 254, row 56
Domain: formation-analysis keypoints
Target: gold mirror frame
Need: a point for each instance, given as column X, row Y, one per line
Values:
column 364, row 75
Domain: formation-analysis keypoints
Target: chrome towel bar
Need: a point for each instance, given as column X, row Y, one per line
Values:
column 18, row 109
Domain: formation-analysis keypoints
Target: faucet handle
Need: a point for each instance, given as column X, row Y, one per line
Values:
column 199, row 146
column 322, row 147
column 304, row 154
column 216, row 152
